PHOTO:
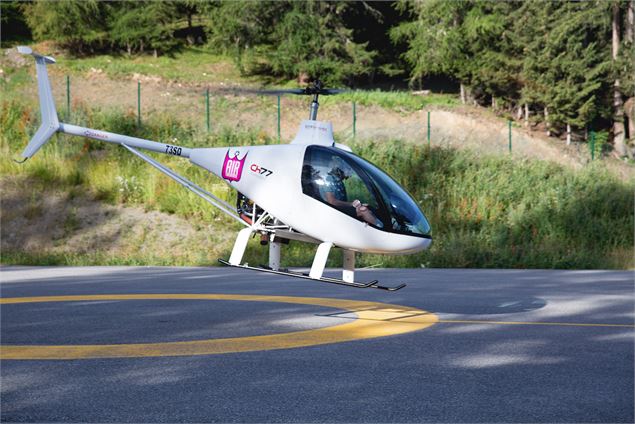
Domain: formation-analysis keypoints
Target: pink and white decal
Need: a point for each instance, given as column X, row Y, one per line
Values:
column 233, row 167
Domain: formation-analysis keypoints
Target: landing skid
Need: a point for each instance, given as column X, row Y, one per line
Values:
column 370, row 285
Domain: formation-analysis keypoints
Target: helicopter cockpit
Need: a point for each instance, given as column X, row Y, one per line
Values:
column 359, row 189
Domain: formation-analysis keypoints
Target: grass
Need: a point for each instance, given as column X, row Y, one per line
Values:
column 493, row 212
column 394, row 100
column 191, row 65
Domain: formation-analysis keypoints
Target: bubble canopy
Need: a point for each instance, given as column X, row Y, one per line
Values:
column 359, row 189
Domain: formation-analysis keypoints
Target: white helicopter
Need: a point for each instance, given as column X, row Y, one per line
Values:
column 311, row 190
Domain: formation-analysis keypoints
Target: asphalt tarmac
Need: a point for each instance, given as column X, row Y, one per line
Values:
column 461, row 346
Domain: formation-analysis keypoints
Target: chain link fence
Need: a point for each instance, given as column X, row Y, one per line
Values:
column 214, row 109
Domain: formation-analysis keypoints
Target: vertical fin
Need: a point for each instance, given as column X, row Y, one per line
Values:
column 50, row 123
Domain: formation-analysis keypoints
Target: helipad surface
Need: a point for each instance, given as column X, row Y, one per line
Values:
column 130, row 344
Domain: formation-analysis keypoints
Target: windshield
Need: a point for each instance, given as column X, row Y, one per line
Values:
column 360, row 189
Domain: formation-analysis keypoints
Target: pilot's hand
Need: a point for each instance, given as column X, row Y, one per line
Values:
column 365, row 213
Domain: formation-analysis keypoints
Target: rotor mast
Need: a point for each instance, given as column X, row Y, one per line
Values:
column 315, row 90
column 314, row 108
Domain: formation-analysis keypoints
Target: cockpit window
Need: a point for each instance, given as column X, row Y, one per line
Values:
column 329, row 178
column 359, row 189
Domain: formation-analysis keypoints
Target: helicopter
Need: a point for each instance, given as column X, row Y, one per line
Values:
column 312, row 190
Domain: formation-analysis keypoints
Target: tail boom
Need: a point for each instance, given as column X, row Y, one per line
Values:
column 115, row 138
column 50, row 123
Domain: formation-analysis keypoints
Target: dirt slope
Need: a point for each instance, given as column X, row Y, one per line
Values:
column 48, row 222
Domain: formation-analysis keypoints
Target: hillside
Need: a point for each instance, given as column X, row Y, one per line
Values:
column 177, row 86
column 89, row 204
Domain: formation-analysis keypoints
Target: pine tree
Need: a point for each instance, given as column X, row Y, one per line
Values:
column 566, row 68
column 144, row 26
column 532, row 23
column 76, row 25
column 237, row 27
column 291, row 38
column 313, row 39
column 435, row 38
column 469, row 41
column 494, row 65
column 623, row 79
column 626, row 69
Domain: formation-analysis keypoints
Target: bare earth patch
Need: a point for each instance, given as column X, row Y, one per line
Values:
column 50, row 222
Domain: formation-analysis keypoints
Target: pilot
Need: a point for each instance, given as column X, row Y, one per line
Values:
column 334, row 192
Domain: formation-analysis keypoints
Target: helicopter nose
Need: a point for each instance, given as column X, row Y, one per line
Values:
column 417, row 244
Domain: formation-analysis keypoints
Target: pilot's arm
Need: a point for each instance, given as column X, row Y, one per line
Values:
column 330, row 198
column 363, row 211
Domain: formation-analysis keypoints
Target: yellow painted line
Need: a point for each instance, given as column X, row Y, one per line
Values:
column 564, row 324
column 373, row 320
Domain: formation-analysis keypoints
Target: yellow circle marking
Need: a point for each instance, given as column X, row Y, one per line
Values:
column 373, row 320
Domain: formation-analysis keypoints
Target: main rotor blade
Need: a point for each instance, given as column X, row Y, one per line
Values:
column 329, row 91
column 279, row 92
column 258, row 91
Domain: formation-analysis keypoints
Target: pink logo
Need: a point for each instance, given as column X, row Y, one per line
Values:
column 233, row 167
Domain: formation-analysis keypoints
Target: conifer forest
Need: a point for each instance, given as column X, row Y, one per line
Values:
column 566, row 66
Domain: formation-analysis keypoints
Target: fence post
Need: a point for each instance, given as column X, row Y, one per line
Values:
column 68, row 98
column 138, row 103
column 592, row 145
column 207, row 108
column 278, row 118
column 354, row 120
column 509, row 125
column 428, row 128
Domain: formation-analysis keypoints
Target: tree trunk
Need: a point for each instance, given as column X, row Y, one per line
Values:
column 629, row 37
column 630, row 25
column 619, row 141
column 568, row 134
column 463, row 97
column 547, row 122
column 239, row 56
column 527, row 114
column 629, row 109
column 519, row 113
